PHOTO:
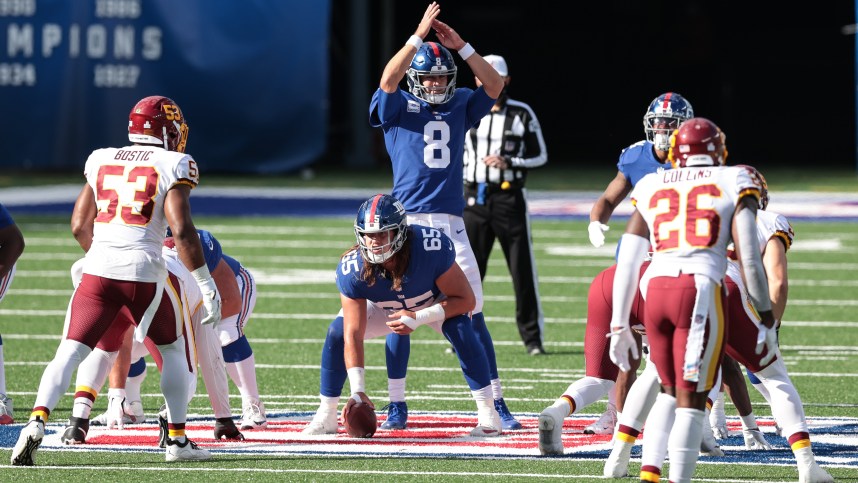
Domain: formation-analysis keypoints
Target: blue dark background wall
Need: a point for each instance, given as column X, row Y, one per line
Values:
column 274, row 86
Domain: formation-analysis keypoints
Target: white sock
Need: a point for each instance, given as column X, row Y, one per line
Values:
column 587, row 390
column 684, row 444
column 658, row 428
column 133, row 387
column 243, row 375
column 497, row 390
column 396, row 390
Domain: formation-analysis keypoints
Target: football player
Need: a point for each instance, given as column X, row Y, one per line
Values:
column 424, row 133
column 397, row 277
column 119, row 219
column 663, row 115
column 205, row 349
column 11, row 248
column 600, row 373
column 760, row 357
column 238, row 294
column 688, row 215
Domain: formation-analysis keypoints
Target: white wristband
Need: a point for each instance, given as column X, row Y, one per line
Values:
column 204, row 279
column 415, row 40
column 356, row 379
column 466, row 51
column 433, row 313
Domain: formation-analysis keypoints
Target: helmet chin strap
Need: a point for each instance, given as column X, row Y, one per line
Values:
column 164, row 137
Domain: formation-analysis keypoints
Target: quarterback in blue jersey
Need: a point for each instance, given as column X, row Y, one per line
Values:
column 396, row 278
column 424, row 132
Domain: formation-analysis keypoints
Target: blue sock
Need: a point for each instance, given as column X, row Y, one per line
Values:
column 751, row 377
column 137, row 368
column 472, row 358
column 237, row 350
column 396, row 353
column 333, row 373
column 482, row 331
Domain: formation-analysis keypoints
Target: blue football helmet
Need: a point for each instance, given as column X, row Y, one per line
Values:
column 664, row 115
column 381, row 214
column 432, row 59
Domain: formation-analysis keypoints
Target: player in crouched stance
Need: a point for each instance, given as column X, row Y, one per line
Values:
column 395, row 279
column 119, row 219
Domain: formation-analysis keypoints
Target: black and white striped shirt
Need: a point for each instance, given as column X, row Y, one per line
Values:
column 514, row 132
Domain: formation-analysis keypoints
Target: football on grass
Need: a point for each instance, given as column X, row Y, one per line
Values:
column 359, row 419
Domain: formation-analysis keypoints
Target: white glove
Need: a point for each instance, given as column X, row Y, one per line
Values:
column 211, row 296
column 755, row 440
column 212, row 303
column 115, row 411
column 597, row 233
column 767, row 338
column 622, row 342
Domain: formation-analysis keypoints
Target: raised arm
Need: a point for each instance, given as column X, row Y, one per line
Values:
column 492, row 81
column 396, row 67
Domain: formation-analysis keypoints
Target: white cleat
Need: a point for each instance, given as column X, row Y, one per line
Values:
column 28, row 442
column 324, row 422
column 606, row 422
column 488, row 424
column 6, row 416
column 708, row 445
column 187, row 451
column 551, row 431
column 814, row 474
column 253, row 416
column 617, row 465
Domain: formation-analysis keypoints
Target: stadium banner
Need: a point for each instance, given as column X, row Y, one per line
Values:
column 251, row 77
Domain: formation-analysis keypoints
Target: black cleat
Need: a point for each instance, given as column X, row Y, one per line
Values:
column 76, row 431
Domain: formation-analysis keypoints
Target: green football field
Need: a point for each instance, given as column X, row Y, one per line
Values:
column 293, row 261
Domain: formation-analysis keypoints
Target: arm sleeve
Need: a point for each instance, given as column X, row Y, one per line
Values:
column 633, row 250
column 752, row 264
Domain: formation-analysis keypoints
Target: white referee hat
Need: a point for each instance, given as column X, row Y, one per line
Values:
column 498, row 63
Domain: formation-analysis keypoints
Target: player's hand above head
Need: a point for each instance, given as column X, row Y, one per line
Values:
column 447, row 36
column 429, row 17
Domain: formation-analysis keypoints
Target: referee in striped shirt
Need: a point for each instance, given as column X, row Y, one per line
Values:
column 498, row 153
